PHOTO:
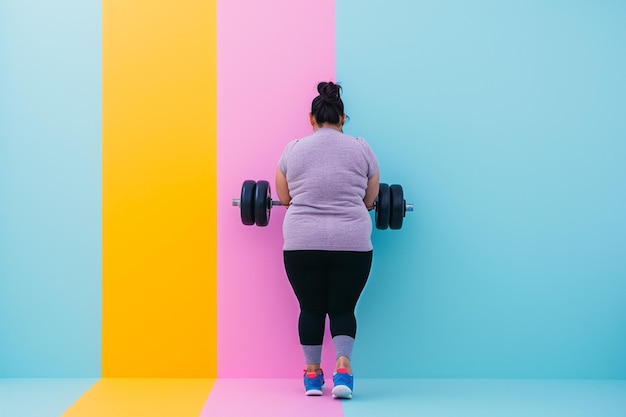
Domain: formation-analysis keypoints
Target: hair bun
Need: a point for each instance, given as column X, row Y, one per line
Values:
column 329, row 92
column 327, row 107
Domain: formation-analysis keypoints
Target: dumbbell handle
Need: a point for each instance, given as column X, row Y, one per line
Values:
column 237, row 202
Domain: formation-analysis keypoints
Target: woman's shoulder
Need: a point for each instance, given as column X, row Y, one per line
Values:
column 366, row 150
column 361, row 141
column 290, row 145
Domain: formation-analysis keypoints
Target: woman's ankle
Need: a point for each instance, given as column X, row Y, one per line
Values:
column 343, row 362
column 314, row 368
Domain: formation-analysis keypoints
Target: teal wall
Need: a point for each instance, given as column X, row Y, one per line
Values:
column 504, row 122
column 50, row 188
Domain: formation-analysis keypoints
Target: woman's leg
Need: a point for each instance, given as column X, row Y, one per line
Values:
column 307, row 273
column 349, row 272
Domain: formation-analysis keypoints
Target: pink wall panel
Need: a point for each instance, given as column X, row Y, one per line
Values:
column 270, row 57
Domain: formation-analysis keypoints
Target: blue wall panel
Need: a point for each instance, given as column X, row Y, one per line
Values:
column 504, row 122
column 50, row 188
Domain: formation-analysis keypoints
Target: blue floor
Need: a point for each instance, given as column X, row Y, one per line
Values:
column 40, row 397
column 487, row 398
column 386, row 397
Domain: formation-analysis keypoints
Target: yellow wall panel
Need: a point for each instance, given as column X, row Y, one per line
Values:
column 159, row 180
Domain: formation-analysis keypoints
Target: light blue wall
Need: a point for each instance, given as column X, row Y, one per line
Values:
column 505, row 123
column 50, row 188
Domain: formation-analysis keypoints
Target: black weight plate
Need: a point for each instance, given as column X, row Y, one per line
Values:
column 383, row 203
column 262, row 203
column 397, row 207
column 246, row 203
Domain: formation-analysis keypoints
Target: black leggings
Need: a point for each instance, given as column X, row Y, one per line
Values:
column 327, row 282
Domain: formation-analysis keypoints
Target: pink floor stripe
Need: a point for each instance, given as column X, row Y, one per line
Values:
column 271, row 55
column 267, row 398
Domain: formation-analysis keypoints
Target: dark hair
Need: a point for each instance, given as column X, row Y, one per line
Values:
column 328, row 106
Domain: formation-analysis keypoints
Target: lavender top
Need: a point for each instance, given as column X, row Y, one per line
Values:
column 327, row 175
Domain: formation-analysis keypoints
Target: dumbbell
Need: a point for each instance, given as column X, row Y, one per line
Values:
column 255, row 205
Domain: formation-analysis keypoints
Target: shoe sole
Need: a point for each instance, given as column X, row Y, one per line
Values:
column 342, row 391
column 313, row 393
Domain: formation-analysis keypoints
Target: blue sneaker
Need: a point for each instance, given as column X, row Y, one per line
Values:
column 343, row 384
column 313, row 383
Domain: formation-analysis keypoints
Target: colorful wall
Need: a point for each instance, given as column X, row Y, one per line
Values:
column 159, row 176
column 126, row 128
column 50, row 189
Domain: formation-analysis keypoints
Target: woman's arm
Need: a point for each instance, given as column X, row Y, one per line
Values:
column 371, row 192
column 282, row 189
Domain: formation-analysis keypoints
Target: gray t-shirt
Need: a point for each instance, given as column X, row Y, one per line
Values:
column 327, row 174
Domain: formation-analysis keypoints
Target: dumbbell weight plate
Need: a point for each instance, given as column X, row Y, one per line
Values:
column 262, row 203
column 246, row 203
column 397, row 207
column 383, row 203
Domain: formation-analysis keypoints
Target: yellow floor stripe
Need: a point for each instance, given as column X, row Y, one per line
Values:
column 155, row 397
column 159, row 186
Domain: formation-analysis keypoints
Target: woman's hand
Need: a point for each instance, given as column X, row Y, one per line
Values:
column 371, row 192
column 282, row 188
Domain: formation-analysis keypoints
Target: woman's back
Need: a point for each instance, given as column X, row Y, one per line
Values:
column 327, row 174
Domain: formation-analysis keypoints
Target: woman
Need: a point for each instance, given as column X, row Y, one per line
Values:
column 329, row 180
